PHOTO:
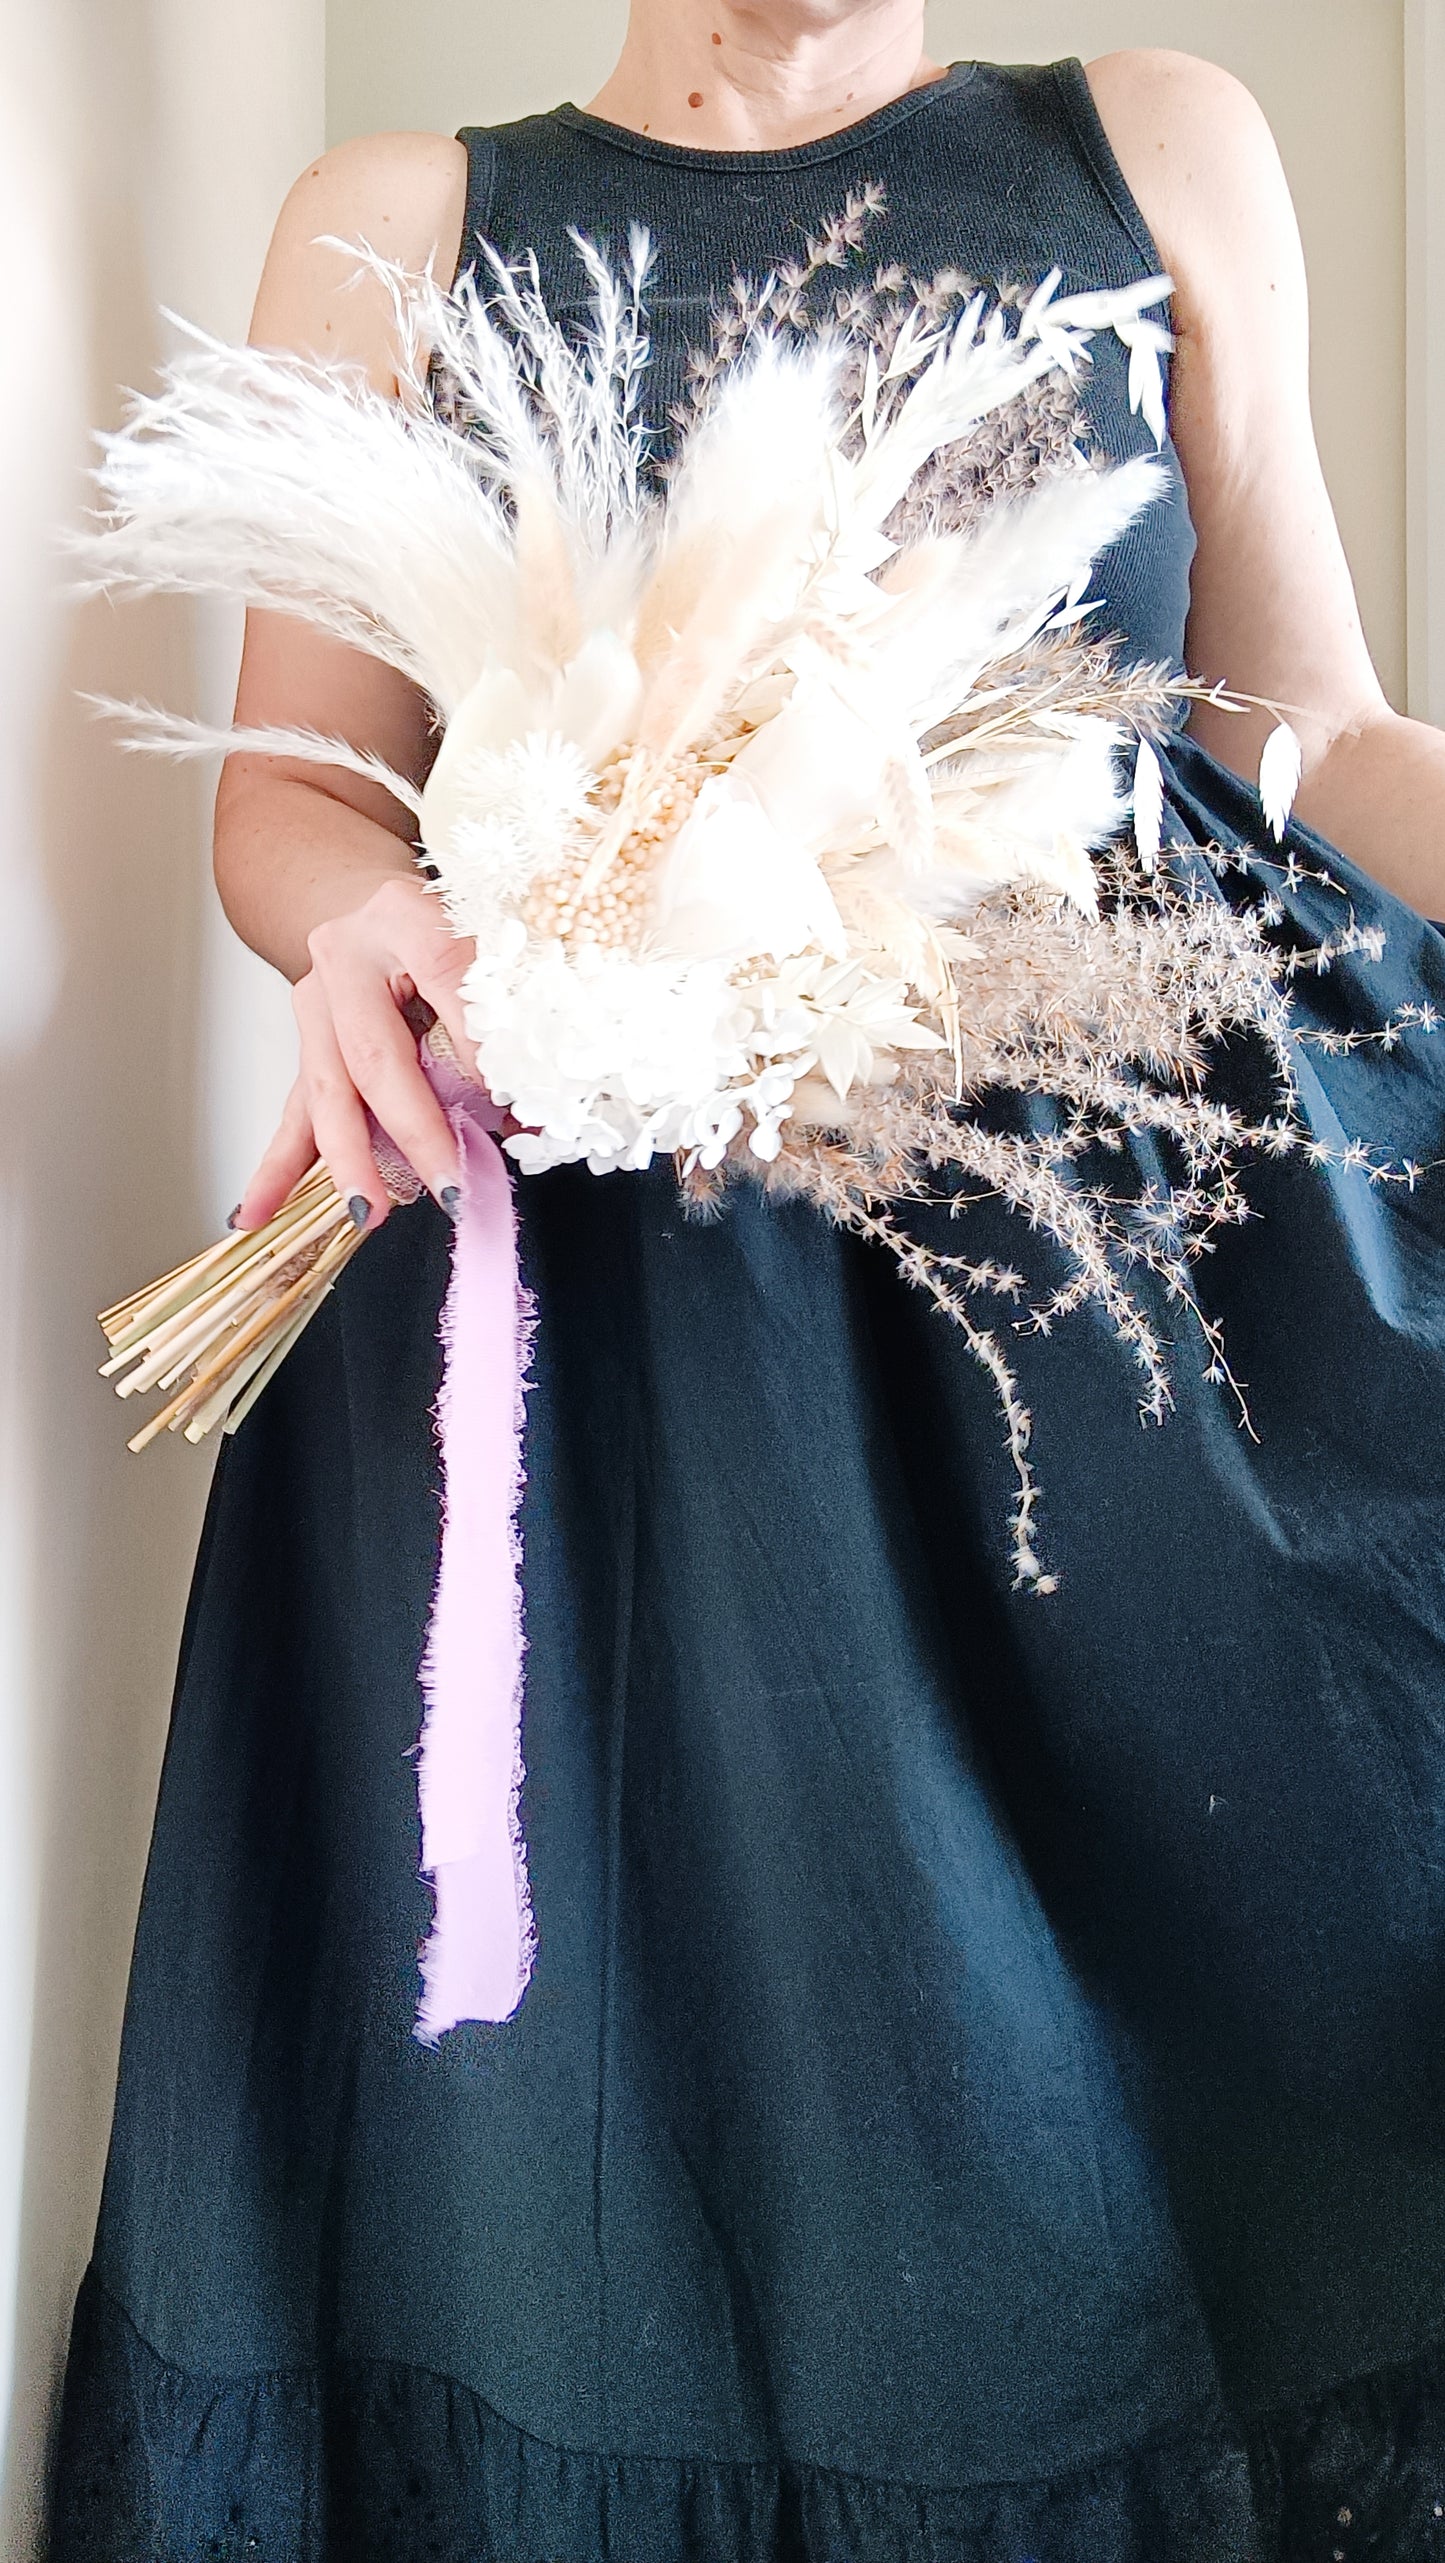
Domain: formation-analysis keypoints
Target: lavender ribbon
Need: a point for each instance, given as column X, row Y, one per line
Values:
column 480, row 1951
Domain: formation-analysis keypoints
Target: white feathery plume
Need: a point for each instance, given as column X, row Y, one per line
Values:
column 172, row 734
column 979, row 367
column 618, row 348
column 745, row 520
column 531, row 397
column 292, row 485
column 971, row 598
column 1026, row 809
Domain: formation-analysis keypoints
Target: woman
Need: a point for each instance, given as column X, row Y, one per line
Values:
column 983, row 2089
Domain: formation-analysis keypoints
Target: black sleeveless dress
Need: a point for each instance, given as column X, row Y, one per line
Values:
column 982, row 2094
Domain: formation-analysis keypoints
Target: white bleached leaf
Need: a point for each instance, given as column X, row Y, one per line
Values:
column 1148, row 342
column 868, row 413
column 1108, row 308
column 1281, row 771
column 1148, row 805
column 844, row 1054
column 814, row 766
column 597, row 698
column 731, row 884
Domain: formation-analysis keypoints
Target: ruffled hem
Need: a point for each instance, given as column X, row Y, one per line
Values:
column 364, row 2462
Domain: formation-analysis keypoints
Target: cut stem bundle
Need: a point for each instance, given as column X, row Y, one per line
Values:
column 216, row 1329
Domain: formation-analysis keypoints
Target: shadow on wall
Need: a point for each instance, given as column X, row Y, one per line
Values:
column 107, row 925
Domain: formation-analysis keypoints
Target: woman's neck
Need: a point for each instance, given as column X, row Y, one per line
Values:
column 762, row 75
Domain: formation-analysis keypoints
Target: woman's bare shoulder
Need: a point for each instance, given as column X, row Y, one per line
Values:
column 401, row 194
column 1194, row 145
column 1168, row 92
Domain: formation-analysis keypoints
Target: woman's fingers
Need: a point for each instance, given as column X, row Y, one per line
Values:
column 338, row 1115
column 438, row 975
column 436, row 962
column 291, row 1155
column 378, row 1057
column 359, row 1063
column 444, row 998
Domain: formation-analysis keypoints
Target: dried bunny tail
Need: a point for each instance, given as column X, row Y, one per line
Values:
column 158, row 733
column 267, row 477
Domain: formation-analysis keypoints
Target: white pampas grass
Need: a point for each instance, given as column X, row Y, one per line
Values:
column 258, row 476
column 149, row 727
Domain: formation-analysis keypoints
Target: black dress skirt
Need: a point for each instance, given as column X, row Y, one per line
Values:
column 981, row 2098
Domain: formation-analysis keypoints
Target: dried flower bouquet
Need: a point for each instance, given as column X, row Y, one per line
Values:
column 784, row 789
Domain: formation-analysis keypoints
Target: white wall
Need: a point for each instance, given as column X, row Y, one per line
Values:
column 144, row 145
column 1330, row 74
column 1424, row 22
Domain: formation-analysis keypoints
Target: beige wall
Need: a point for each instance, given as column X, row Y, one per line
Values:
column 1329, row 72
column 144, row 145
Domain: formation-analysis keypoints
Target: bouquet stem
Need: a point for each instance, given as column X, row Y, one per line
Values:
column 217, row 1328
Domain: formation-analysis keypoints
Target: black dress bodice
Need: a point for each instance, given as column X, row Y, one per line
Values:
column 1000, row 173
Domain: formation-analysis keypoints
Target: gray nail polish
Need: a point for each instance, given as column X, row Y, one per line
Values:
column 233, row 1215
column 360, row 1209
column 451, row 1201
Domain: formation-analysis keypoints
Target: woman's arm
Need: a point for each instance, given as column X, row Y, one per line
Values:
column 1274, row 611
column 314, row 865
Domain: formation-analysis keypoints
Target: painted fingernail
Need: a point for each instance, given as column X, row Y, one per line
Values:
column 233, row 1215
column 360, row 1209
column 451, row 1201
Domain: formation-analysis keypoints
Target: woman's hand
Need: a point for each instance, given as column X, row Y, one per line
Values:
column 358, row 1050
